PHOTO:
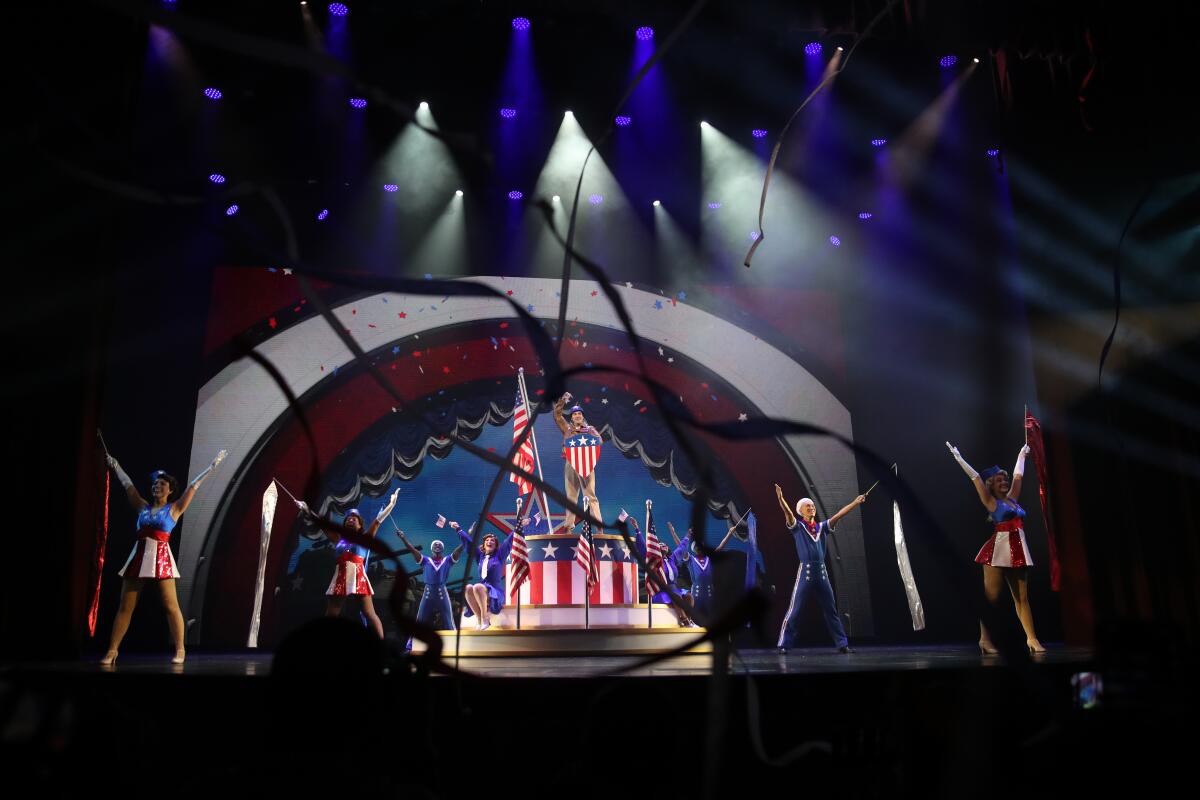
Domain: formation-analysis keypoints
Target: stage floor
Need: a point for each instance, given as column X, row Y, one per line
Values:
column 802, row 661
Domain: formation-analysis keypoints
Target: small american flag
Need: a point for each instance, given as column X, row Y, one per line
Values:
column 656, row 553
column 582, row 451
column 441, row 521
column 523, row 458
column 519, row 568
column 584, row 556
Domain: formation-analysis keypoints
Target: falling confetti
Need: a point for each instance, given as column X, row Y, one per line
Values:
column 396, row 350
column 503, row 325
column 682, row 295
column 402, row 315
column 594, row 293
column 446, row 371
column 272, row 323
column 658, row 304
column 416, row 353
column 660, row 351
column 509, row 292
column 529, row 308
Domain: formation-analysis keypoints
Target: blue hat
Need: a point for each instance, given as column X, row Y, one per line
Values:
column 573, row 409
column 990, row 473
column 353, row 513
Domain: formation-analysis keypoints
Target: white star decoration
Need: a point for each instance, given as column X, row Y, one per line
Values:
column 287, row 270
column 605, row 551
column 625, row 550
column 549, row 550
column 742, row 417
column 604, row 400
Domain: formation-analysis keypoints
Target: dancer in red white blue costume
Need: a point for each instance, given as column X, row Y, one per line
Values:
column 151, row 558
column 811, row 576
column 350, row 572
column 1005, row 555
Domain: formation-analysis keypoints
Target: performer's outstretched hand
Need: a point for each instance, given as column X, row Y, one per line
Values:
column 954, row 451
column 862, row 498
column 220, row 457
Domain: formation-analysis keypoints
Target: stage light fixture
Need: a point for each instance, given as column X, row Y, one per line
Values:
column 391, row 187
column 948, row 61
column 568, row 113
column 623, row 120
column 754, row 236
column 233, row 209
column 993, row 151
column 520, row 24
column 758, row 133
column 212, row 93
column 458, row 192
column 865, row 215
column 217, row 177
column 645, row 33
column 324, row 212
column 423, row 104
column 835, row 241
column 515, row 195
column 703, row 124
column 508, row 113
column 657, row 203
column 812, row 49
column 358, row 102
column 840, row 48
column 878, row 142
column 556, row 199
column 596, row 199
column 975, row 60
column 338, row 9
column 714, row 205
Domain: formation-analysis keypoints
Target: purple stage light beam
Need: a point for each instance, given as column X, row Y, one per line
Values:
column 217, row 177
column 644, row 33
column 596, row 199
column 233, row 209
column 322, row 214
column 878, row 142
column 865, row 215
column 213, row 93
column 623, row 120
column 391, row 187
column 521, row 24
column 358, row 102
column 758, row 133
column 835, row 241
column 515, row 195
column 812, row 49
column 947, row 61
column 508, row 113
column 339, row 9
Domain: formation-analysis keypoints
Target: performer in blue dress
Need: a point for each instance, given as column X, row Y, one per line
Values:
column 1005, row 555
column 151, row 558
column 435, row 570
column 350, row 572
column 811, row 576
column 485, row 596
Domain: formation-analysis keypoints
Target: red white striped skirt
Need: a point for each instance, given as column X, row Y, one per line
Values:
column 1006, row 547
column 151, row 557
column 349, row 577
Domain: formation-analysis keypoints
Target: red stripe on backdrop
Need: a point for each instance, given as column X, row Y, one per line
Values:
column 618, row 582
column 535, row 583
column 566, row 573
column 595, row 593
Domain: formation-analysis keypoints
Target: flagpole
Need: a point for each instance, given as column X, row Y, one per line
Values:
column 646, row 558
column 537, row 458
column 1025, row 424
column 587, row 585
column 506, row 566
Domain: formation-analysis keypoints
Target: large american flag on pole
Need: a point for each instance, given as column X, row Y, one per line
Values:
column 656, row 553
column 518, row 569
column 523, row 458
column 584, row 556
column 582, row 451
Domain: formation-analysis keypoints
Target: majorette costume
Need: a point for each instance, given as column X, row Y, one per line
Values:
column 435, row 571
column 670, row 569
column 350, row 573
column 151, row 556
column 491, row 572
column 700, row 569
column 1006, row 547
column 811, row 579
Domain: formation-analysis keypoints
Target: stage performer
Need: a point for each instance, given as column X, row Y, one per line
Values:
column 702, row 593
column 671, row 570
column 575, row 425
column 435, row 571
column 1005, row 555
column 486, row 596
column 811, row 576
column 151, row 558
column 350, row 573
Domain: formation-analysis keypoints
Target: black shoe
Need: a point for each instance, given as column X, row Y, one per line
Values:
column 847, row 649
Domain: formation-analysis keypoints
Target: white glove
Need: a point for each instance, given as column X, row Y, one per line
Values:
column 383, row 512
column 121, row 476
column 303, row 506
column 220, row 457
column 1019, row 469
column 967, row 468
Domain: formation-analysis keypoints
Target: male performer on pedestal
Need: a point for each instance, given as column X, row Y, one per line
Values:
column 581, row 451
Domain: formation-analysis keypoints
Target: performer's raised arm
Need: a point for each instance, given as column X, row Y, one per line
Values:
column 383, row 514
column 185, row 499
column 559, row 405
column 1018, row 474
column 985, row 496
column 135, row 498
column 416, row 555
column 858, row 501
column 788, row 516
column 671, row 528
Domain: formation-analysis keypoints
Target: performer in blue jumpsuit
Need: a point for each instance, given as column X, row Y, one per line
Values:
column 671, row 570
column 485, row 596
column 811, row 577
column 435, row 571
